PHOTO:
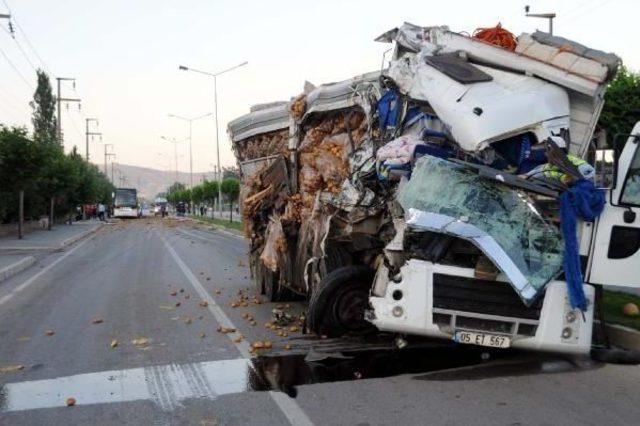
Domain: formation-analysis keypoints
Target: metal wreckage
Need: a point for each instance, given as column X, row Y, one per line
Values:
column 426, row 198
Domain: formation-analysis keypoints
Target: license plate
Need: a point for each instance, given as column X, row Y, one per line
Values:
column 482, row 339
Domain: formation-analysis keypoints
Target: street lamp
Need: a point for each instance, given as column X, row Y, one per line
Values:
column 175, row 151
column 215, row 101
column 190, row 120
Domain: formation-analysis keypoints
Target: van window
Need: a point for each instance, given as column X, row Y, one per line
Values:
column 631, row 188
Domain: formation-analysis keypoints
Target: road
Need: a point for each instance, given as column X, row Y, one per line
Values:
column 171, row 365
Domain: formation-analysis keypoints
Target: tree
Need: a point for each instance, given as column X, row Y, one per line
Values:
column 230, row 172
column 621, row 105
column 20, row 164
column 209, row 191
column 231, row 189
column 44, row 107
column 197, row 193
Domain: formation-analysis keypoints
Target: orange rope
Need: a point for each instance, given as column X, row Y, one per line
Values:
column 497, row 36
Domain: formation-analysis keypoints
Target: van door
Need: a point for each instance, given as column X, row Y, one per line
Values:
column 615, row 245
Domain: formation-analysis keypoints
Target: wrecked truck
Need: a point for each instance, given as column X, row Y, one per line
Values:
column 457, row 193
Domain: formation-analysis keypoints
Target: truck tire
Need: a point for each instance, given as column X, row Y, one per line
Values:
column 338, row 303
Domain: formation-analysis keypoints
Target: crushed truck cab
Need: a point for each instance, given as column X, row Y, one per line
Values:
column 456, row 193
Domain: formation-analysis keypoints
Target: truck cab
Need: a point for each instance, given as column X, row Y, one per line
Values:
column 444, row 277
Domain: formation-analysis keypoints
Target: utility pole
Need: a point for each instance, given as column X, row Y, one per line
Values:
column 92, row 134
column 109, row 154
column 105, row 156
column 548, row 16
column 60, row 100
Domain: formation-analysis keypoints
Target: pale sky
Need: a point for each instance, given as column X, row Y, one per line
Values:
column 125, row 54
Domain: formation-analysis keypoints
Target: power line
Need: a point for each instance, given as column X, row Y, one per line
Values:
column 17, row 70
column 578, row 8
column 586, row 11
column 20, row 48
column 26, row 38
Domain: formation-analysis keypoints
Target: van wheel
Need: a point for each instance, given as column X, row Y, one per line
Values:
column 338, row 304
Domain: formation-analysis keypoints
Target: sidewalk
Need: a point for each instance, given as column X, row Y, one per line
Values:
column 60, row 236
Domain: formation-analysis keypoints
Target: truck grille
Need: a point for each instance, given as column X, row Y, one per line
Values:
column 481, row 297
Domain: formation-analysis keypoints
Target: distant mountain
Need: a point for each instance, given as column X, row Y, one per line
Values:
column 149, row 182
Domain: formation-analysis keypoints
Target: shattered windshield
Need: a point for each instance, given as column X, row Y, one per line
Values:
column 495, row 210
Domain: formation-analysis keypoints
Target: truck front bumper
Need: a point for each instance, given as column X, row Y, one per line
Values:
column 406, row 305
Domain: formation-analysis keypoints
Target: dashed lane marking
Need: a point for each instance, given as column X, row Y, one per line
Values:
column 288, row 406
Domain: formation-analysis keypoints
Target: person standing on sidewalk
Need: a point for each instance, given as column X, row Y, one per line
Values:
column 101, row 211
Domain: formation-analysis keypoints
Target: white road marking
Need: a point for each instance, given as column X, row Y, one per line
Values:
column 43, row 271
column 288, row 406
column 165, row 385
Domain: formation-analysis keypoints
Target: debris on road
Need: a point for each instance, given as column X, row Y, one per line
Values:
column 202, row 335
column 166, row 307
column 11, row 368
column 140, row 342
column 114, row 343
column 204, row 303
column 188, row 320
column 225, row 330
column 97, row 321
column 174, row 293
column 70, row 402
column 49, row 332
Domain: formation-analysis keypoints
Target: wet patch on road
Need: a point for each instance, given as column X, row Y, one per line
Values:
column 169, row 385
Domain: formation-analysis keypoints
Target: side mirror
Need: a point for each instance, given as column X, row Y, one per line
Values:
column 605, row 165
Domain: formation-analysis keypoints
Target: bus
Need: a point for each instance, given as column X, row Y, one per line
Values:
column 125, row 202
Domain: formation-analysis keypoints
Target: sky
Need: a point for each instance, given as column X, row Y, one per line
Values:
column 125, row 54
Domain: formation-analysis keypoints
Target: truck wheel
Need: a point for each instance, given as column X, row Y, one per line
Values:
column 338, row 303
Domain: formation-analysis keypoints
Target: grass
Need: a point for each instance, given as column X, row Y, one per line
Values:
column 219, row 222
column 613, row 303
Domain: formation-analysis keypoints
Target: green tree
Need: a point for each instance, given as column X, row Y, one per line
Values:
column 209, row 191
column 230, row 172
column 621, row 105
column 231, row 189
column 44, row 107
column 197, row 193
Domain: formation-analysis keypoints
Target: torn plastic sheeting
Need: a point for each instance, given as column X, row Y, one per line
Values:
column 505, row 213
column 275, row 245
column 434, row 222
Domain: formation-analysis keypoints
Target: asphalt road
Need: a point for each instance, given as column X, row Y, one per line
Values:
column 171, row 365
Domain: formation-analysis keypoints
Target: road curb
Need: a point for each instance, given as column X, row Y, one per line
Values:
column 623, row 337
column 220, row 228
column 17, row 267
column 80, row 236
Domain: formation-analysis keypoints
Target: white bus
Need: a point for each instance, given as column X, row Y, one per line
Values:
column 125, row 203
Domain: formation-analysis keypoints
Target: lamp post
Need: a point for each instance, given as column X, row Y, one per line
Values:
column 175, row 151
column 190, row 120
column 215, row 102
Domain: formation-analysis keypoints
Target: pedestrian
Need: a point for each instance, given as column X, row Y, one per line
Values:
column 101, row 211
column 201, row 210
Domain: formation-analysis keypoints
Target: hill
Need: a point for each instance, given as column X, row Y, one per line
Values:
column 149, row 182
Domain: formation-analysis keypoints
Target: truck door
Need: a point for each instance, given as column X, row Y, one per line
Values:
column 615, row 245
